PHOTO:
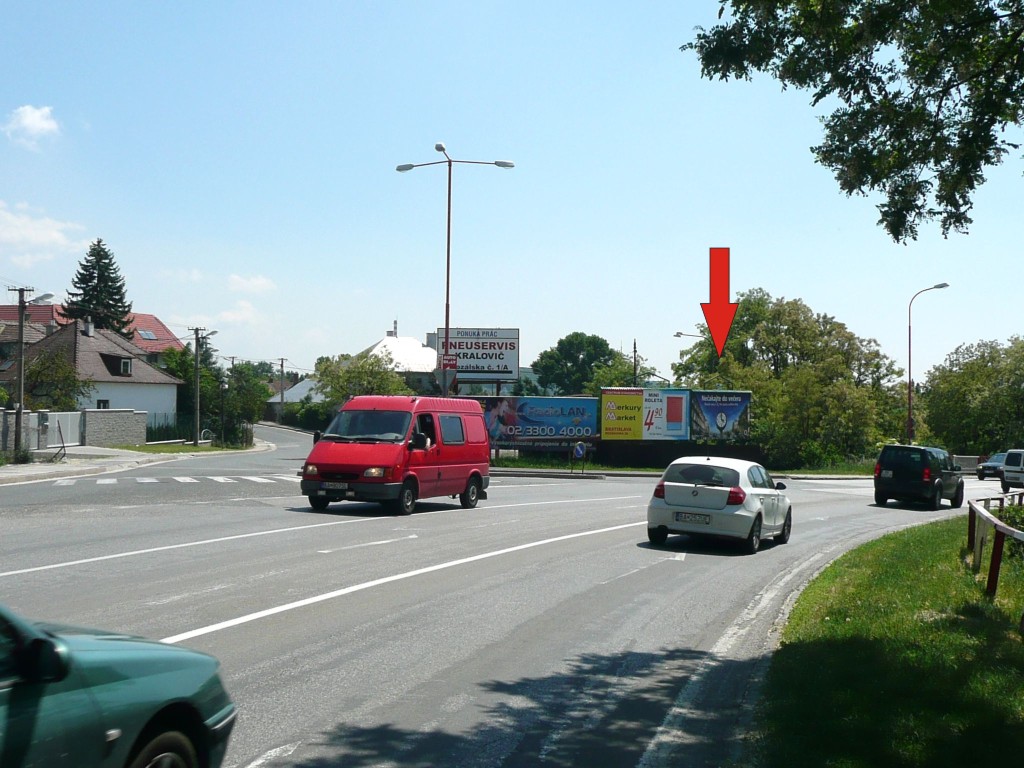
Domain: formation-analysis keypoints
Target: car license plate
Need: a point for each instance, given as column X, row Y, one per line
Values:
column 334, row 486
column 886, row 473
column 690, row 517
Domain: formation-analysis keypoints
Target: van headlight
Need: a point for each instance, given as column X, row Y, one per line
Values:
column 374, row 472
column 310, row 469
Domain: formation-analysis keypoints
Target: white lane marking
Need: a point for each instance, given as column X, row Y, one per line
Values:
column 223, row 480
column 367, row 544
column 289, row 478
column 258, row 479
column 107, row 481
column 266, row 757
column 203, row 542
column 209, row 629
column 146, row 480
column 65, row 482
column 186, row 480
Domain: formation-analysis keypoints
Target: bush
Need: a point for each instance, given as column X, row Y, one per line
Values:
column 1014, row 517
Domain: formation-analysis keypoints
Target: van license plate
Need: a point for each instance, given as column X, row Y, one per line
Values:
column 689, row 517
column 886, row 473
column 334, row 486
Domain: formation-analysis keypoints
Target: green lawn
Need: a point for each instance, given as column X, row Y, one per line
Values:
column 894, row 656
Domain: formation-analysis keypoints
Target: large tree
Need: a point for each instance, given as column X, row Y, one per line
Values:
column 924, row 91
column 345, row 376
column 99, row 292
column 569, row 366
column 821, row 394
column 52, row 383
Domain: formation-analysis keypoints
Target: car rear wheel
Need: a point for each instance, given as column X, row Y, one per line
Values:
column 936, row 500
column 167, row 750
column 958, row 498
column 787, row 528
column 1005, row 487
column 880, row 499
column 753, row 540
column 657, row 535
column 469, row 497
column 319, row 503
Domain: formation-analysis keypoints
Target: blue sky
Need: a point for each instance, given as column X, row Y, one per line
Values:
column 238, row 158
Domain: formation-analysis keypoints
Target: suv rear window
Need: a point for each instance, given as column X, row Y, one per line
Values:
column 902, row 457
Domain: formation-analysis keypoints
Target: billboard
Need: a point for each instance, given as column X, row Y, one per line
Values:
column 483, row 354
column 546, row 422
column 631, row 413
column 719, row 415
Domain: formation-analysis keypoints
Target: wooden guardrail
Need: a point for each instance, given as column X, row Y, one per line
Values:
column 980, row 522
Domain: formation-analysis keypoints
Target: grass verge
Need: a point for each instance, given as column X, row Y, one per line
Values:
column 894, row 656
column 182, row 448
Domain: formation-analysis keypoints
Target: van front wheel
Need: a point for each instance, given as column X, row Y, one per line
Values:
column 406, row 501
column 469, row 497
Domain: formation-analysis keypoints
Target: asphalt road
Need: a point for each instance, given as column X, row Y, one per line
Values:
column 539, row 629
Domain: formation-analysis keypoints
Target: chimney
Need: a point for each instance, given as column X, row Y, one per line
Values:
column 51, row 326
column 88, row 331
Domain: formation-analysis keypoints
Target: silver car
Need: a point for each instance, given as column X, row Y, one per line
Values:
column 716, row 496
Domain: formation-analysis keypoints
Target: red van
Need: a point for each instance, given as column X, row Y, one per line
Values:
column 396, row 449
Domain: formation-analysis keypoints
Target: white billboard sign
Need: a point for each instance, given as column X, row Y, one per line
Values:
column 483, row 354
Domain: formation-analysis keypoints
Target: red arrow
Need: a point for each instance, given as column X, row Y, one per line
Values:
column 719, row 312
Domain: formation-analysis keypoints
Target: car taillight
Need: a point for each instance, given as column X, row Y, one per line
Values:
column 659, row 491
column 927, row 474
column 878, row 469
column 736, row 495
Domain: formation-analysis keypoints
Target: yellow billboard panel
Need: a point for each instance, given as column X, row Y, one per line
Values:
column 622, row 414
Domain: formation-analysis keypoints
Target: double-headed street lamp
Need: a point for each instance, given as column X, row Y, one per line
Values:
column 446, row 361
column 200, row 336
column 910, row 378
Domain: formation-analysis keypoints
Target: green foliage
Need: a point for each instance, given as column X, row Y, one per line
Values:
column 973, row 399
column 821, row 395
column 345, row 376
column 622, row 371
column 569, row 366
column 923, row 91
column 100, row 293
column 52, row 383
column 307, row 414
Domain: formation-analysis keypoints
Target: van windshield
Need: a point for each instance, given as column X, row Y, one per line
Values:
column 369, row 426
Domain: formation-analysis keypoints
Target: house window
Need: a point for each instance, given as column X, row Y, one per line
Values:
column 104, row 404
column 126, row 366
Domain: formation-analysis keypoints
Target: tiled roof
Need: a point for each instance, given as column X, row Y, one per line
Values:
column 145, row 326
column 97, row 357
column 294, row 394
column 409, row 355
column 9, row 332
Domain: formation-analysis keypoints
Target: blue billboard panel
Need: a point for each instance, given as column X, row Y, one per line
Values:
column 719, row 415
column 540, row 422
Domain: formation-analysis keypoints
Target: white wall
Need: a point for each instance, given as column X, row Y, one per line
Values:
column 153, row 398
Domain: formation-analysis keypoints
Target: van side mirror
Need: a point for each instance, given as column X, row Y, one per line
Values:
column 316, row 436
column 45, row 661
column 780, row 486
column 418, row 441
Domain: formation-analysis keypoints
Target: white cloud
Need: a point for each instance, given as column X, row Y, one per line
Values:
column 27, row 125
column 244, row 313
column 254, row 284
column 29, row 239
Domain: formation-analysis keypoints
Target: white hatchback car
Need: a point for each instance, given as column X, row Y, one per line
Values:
column 715, row 496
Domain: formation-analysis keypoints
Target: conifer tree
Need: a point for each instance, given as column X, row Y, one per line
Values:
column 99, row 292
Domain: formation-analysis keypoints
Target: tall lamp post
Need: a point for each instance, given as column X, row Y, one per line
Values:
column 19, row 407
column 910, row 378
column 199, row 337
column 446, row 362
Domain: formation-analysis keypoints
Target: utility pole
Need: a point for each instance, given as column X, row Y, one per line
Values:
column 280, row 415
column 20, row 405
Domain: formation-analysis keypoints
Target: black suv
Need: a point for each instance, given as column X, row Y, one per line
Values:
column 917, row 473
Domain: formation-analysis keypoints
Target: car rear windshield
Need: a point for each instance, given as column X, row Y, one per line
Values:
column 902, row 458
column 369, row 426
column 702, row 474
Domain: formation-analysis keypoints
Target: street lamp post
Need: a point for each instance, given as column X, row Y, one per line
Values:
column 445, row 359
column 19, row 407
column 910, row 378
column 223, row 392
column 195, row 409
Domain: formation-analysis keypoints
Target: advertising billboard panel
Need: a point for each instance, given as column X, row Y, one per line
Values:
column 632, row 413
column 540, row 422
column 622, row 410
column 719, row 415
column 483, row 354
